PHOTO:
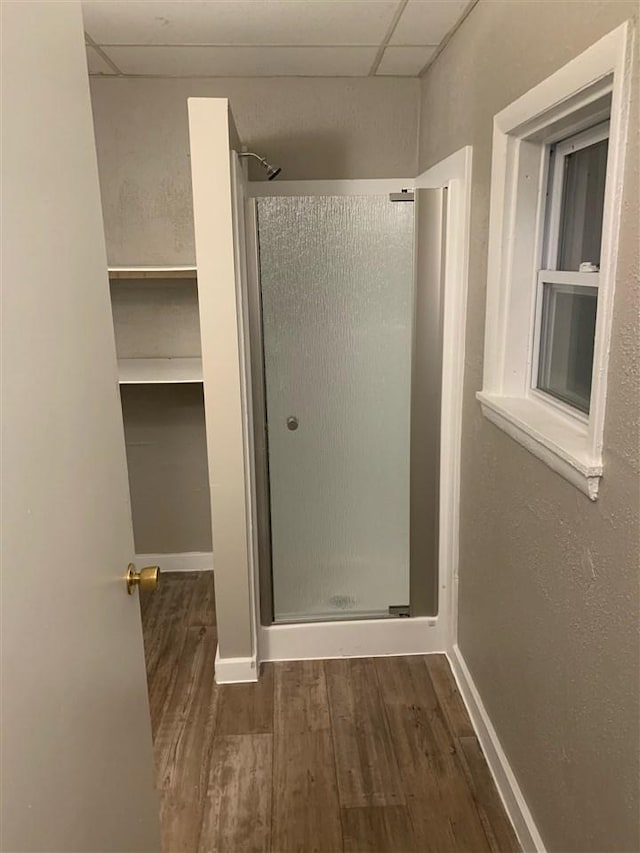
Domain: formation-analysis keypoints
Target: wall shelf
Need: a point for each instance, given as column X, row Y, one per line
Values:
column 155, row 371
column 116, row 273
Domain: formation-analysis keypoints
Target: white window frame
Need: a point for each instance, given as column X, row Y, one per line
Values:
column 576, row 142
column 568, row 280
column 591, row 89
column 549, row 273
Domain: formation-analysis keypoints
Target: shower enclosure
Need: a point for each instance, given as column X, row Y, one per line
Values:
column 333, row 402
column 346, row 418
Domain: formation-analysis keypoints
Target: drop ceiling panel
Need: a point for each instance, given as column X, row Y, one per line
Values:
column 251, row 22
column 243, row 61
column 405, row 61
column 96, row 63
column 427, row 21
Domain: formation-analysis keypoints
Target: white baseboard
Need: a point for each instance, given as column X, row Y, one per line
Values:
column 235, row 670
column 506, row 782
column 188, row 561
column 354, row 638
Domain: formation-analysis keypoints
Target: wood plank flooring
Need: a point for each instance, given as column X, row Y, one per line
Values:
column 360, row 755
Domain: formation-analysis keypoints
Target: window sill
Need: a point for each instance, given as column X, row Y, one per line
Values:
column 554, row 438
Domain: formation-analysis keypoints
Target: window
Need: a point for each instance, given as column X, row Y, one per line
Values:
column 556, row 187
column 567, row 288
column 567, row 329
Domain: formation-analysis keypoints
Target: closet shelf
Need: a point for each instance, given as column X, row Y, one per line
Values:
column 116, row 273
column 154, row 371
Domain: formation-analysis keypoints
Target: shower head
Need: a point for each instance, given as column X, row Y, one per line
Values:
column 272, row 171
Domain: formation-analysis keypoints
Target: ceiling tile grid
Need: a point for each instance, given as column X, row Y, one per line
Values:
column 404, row 61
column 267, row 38
column 98, row 66
column 427, row 21
column 243, row 61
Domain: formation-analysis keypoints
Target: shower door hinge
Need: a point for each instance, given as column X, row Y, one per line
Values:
column 405, row 195
column 401, row 610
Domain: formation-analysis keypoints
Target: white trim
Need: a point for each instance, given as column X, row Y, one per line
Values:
column 159, row 371
column 235, row 670
column 212, row 135
column 353, row 638
column 569, row 278
column 157, row 271
column 454, row 172
column 375, row 186
column 555, row 438
column 588, row 69
column 504, row 777
column 187, row 561
column 572, row 98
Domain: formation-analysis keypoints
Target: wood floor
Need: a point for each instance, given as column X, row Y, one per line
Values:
column 339, row 755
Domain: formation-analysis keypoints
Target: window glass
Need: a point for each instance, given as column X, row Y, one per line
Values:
column 566, row 343
column 582, row 206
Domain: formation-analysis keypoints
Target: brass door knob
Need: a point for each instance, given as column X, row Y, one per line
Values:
column 146, row 578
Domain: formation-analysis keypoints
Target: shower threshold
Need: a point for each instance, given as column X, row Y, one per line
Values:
column 333, row 616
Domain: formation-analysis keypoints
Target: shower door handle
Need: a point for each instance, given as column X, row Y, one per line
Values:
column 292, row 423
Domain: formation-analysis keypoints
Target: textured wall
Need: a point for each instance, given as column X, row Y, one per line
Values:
column 548, row 580
column 167, row 459
column 314, row 128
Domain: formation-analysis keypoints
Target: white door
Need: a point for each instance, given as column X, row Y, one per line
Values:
column 76, row 743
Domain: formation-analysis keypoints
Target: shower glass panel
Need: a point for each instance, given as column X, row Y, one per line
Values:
column 336, row 275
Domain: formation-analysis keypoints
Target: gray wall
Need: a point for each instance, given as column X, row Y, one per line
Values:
column 167, row 459
column 314, row 128
column 548, row 580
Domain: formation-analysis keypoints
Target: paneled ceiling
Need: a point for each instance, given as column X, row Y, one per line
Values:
column 267, row 38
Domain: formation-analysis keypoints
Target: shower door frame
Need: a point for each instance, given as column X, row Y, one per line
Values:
column 306, row 189
column 366, row 636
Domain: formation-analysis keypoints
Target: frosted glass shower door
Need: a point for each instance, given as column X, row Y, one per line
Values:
column 336, row 277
